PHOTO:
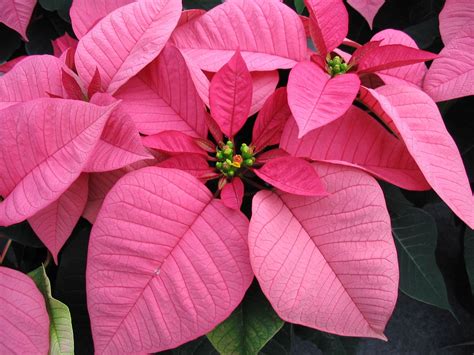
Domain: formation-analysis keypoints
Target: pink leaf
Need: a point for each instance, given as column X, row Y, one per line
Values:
column 452, row 74
column 329, row 23
column 72, row 85
column 86, row 13
column 392, row 56
column 16, row 14
column 120, row 143
column 25, row 320
column 233, row 193
column 230, row 95
column 54, row 224
column 194, row 164
column 189, row 15
column 7, row 66
column 330, row 262
column 45, row 145
column 456, row 14
column 126, row 40
column 32, row 78
column 316, row 99
column 99, row 186
column 413, row 73
column 359, row 140
column 293, row 175
column 61, row 44
column 362, row 51
column 268, row 33
column 173, row 142
column 163, row 97
column 271, row 154
column 271, row 120
column 172, row 265
column 264, row 84
column 367, row 8
column 421, row 126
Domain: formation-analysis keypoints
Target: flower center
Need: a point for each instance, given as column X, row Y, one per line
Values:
column 228, row 162
column 336, row 66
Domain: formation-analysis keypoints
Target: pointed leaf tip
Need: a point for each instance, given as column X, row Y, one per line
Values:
column 230, row 95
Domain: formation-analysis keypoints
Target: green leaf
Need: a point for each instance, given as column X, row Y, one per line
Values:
column 60, row 330
column 469, row 255
column 415, row 236
column 248, row 328
column 300, row 6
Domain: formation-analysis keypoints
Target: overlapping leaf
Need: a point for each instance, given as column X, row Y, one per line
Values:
column 456, row 14
column 24, row 318
column 54, row 224
column 32, row 78
column 268, row 33
column 421, row 126
column 327, row 262
column 126, row 40
column 357, row 139
column 171, row 266
column 45, row 146
column 86, row 13
column 163, row 97
column 452, row 74
column 367, row 8
column 316, row 99
column 233, row 193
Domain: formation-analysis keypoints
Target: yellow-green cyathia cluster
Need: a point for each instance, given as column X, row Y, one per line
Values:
column 229, row 163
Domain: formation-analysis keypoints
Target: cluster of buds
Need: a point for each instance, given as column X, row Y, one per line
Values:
column 336, row 66
column 229, row 163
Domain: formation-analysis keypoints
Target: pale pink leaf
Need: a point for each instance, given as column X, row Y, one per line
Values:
column 45, row 145
column 330, row 262
column 329, row 23
column 120, row 143
column 16, row 14
column 456, row 14
column 61, row 44
column 7, row 66
column 392, row 56
column 268, row 33
column 233, row 193
column 358, row 139
column 422, row 128
column 230, row 95
column 413, row 73
column 173, row 142
column 271, row 120
column 24, row 321
column 194, row 164
column 86, row 13
column 163, row 97
column 32, row 78
column 316, row 99
column 264, row 84
column 292, row 175
column 54, row 224
column 173, row 264
column 126, row 40
column 452, row 74
column 367, row 8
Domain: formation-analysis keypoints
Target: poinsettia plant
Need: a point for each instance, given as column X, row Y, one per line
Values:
column 229, row 162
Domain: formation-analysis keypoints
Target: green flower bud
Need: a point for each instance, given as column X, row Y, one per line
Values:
column 337, row 68
column 228, row 152
column 220, row 155
column 248, row 162
column 231, row 173
column 219, row 165
column 230, row 144
column 337, row 60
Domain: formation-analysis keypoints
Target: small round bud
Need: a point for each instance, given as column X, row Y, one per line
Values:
column 220, row 155
column 230, row 144
column 219, row 165
column 231, row 173
column 248, row 162
column 337, row 60
column 228, row 152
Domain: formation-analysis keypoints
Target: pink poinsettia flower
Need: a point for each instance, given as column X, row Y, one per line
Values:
column 174, row 233
column 314, row 86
